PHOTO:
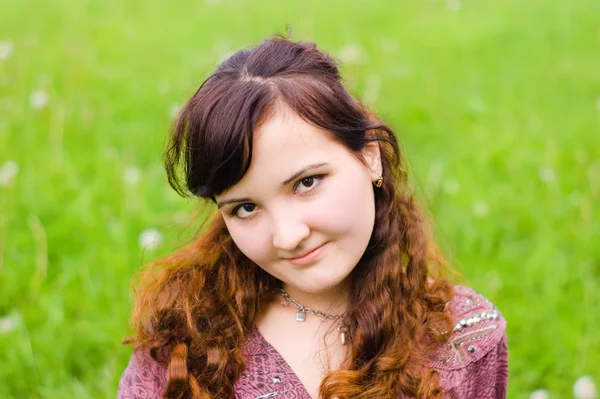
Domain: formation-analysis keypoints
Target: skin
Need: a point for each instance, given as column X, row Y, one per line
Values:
column 331, row 205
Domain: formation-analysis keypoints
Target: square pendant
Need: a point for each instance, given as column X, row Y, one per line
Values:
column 300, row 316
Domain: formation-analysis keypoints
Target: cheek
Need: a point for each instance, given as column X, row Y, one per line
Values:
column 347, row 208
column 252, row 240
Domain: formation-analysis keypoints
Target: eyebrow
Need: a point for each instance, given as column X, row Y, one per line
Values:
column 285, row 183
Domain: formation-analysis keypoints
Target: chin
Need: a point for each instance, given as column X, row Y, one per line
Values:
column 318, row 284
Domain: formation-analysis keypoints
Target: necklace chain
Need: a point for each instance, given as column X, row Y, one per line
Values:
column 301, row 308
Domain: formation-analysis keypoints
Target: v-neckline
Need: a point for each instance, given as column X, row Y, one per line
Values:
column 284, row 364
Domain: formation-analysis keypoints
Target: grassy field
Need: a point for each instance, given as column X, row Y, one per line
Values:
column 497, row 104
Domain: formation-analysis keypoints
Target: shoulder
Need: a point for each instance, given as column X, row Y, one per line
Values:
column 143, row 378
column 475, row 356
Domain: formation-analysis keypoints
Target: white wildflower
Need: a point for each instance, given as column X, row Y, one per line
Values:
column 451, row 187
column 388, row 45
column 163, row 87
column 174, row 110
column 584, row 388
column 372, row 88
column 400, row 71
column 38, row 99
column 454, row 5
column 224, row 55
column 476, row 105
column 6, row 50
column 575, row 198
column 31, row 41
column 131, row 176
column 9, row 322
column 8, row 171
column 150, row 239
column 494, row 280
column 480, row 209
column 539, row 394
column 547, row 174
column 351, row 53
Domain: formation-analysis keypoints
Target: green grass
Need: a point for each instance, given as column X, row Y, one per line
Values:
column 497, row 105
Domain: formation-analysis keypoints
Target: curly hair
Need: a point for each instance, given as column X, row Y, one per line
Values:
column 195, row 307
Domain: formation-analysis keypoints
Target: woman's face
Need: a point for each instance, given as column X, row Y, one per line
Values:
column 304, row 211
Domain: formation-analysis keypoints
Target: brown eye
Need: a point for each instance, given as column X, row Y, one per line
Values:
column 308, row 184
column 244, row 211
column 308, row 181
column 249, row 207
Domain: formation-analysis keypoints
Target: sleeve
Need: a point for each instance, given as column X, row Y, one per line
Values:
column 487, row 377
column 143, row 378
column 474, row 362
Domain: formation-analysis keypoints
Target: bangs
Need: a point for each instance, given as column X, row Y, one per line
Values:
column 211, row 143
column 218, row 126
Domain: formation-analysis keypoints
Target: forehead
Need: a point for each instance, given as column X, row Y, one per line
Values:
column 282, row 145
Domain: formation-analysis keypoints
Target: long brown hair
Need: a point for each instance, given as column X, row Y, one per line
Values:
column 194, row 308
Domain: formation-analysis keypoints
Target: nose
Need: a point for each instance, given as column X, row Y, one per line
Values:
column 288, row 231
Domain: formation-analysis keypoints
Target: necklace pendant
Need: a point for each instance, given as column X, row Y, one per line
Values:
column 300, row 315
column 343, row 330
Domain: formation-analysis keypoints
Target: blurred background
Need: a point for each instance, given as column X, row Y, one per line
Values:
column 496, row 103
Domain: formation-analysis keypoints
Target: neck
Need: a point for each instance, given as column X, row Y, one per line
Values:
column 334, row 301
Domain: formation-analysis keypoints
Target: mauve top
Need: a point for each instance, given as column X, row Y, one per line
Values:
column 472, row 364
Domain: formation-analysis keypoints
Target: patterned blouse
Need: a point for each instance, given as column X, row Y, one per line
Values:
column 472, row 364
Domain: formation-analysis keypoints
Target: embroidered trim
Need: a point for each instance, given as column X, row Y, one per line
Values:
column 476, row 319
column 275, row 393
column 260, row 373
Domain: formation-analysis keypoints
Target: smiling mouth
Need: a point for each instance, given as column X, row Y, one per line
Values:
column 308, row 257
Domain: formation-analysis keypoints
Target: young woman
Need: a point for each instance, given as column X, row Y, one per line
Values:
column 316, row 277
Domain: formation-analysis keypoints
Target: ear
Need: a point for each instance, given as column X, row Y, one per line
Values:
column 372, row 155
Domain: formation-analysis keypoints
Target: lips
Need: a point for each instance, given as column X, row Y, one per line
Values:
column 308, row 257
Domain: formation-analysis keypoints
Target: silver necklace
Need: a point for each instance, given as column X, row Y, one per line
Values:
column 302, row 311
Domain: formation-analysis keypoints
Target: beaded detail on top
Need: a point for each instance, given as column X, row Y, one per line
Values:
column 474, row 320
column 479, row 327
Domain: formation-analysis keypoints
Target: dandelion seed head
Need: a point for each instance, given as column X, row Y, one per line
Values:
column 539, row 394
column 131, row 176
column 389, row 46
column 10, row 322
column 351, row 53
column 454, row 5
column 8, row 172
column 584, row 388
column 400, row 71
column 150, row 239
column 451, row 187
column 225, row 55
column 162, row 87
column 480, row 209
column 372, row 88
column 32, row 41
column 575, row 198
column 477, row 105
column 174, row 110
column 6, row 50
column 494, row 281
column 38, row 99
column 547, row 174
